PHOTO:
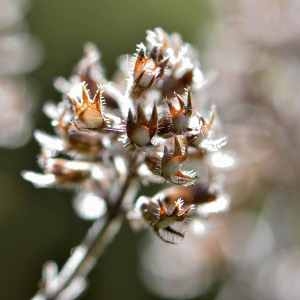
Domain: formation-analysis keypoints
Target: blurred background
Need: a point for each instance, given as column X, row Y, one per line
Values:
column 252, row 252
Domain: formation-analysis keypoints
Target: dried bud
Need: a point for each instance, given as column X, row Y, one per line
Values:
column 59, row 172
column 90, row 143
column 66, row 171
column 72, row 140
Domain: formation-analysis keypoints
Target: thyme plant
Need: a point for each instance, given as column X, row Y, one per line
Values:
column 114, row 137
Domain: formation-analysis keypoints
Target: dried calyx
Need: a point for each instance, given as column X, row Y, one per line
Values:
column 173, row 205
column 145, row 126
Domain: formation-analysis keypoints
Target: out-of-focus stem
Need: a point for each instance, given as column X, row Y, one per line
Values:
column 85, row 256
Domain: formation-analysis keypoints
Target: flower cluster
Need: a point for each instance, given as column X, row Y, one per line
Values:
column 143, row 127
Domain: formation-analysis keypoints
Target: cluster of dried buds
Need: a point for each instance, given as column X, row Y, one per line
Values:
column 143, row 127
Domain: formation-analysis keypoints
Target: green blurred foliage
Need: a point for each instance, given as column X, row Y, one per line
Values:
column 38, row 225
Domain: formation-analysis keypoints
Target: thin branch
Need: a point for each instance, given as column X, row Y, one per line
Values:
column 85, row 256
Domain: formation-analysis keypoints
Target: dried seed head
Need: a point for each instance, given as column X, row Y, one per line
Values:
column 183, row 71
column 147, row 70
column 71, row 139
column 88, row 112
column 178, row 119
column 173, row 206
column 169, row 166
column 200, row 139
column 60, row 173
column 171, row 83
column 141, row 131
column 180, row 115
column 90, row 143
column 66, row 171
column 162, row 216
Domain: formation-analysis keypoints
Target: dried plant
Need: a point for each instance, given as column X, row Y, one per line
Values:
column 111, row 138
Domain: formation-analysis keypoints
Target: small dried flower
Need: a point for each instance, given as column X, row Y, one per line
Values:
column 89, row 143
column 178, row 120
column 147, row 70
column 169, row 165
column 183, row 71
column 60, row 172
column 141, row 131
column 161, row 216
column 171, row 206
column 88, row 112
column 199, row 139
column 72, row 140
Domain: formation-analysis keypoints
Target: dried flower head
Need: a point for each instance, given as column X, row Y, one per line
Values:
column 164, row 135
column 141, row 131
column 179, row 117
column 168, row 164
column 171, row 206
column 148, row 68
column 88, row 112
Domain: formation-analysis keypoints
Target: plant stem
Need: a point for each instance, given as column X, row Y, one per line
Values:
column 85, row 256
